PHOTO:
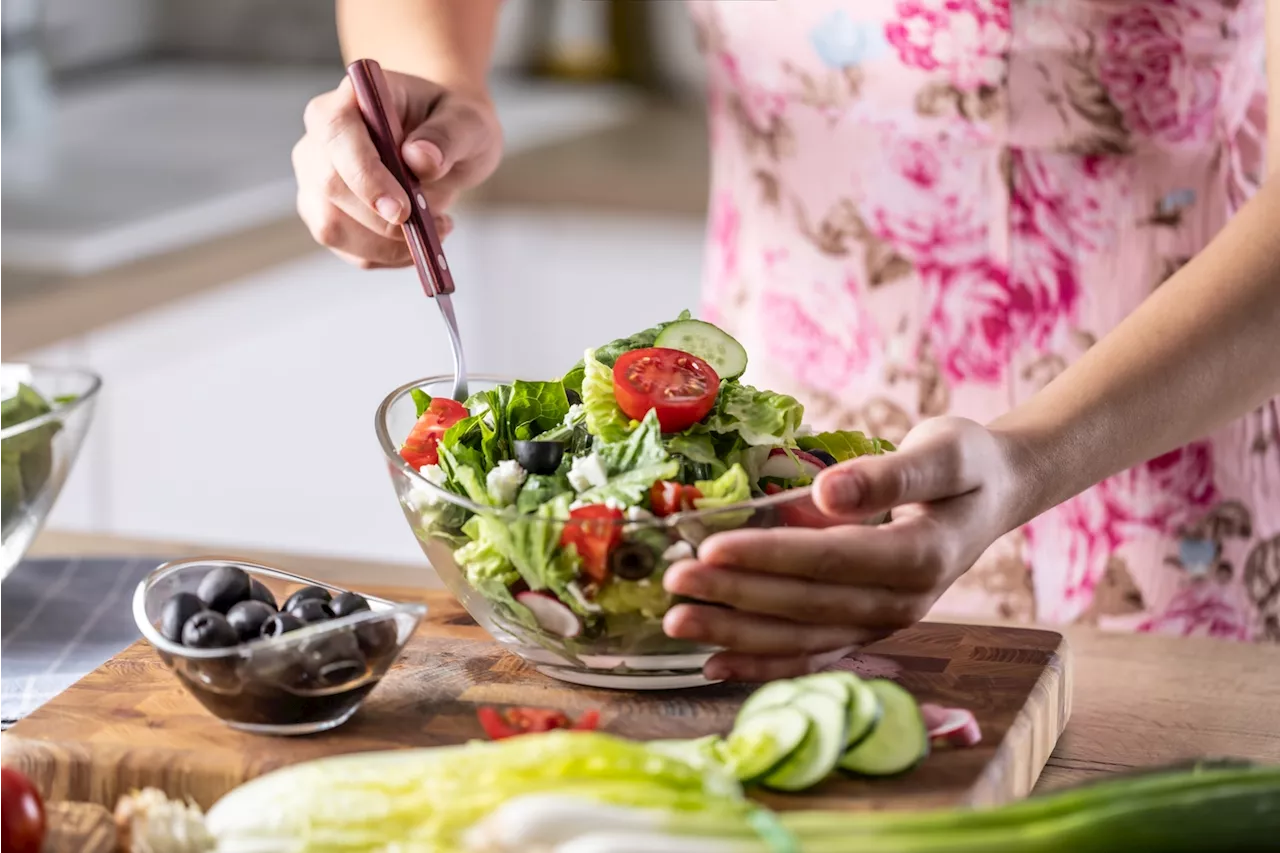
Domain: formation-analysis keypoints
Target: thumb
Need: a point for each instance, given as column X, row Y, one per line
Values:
column 451, row 134
column 932, row 464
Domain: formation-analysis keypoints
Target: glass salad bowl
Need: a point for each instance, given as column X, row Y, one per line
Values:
column 46, row 413
column 605, row 633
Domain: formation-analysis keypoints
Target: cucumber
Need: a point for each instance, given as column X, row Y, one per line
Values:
column 898, row 742
column 758, row 745
column 864, row 705
column 772, row 695
column 817, row 755
column 709, row 343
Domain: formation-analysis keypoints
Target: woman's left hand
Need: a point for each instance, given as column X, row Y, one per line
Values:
column 799, row 599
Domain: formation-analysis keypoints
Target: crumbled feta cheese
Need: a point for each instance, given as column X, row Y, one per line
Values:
column 586, row 472
column 643, row 582
column 504, row 481
column 638, row 513
column 803, row 430
column 576, row 592
column 421, row 497
column 575, row 414
column 578, row 505
column 678, row 551
column 613, row 503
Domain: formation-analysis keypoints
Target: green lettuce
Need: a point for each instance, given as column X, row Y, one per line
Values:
column 531, row 544
column 732, row 487
column 604, row 418
column 464, row 473
column 421, row 400
column 538, row 489
column 646, row 597
column 845, row 444
column 534, row 408
column 758, row 417
column 608, row 354
column 702, row 460
column 633, row 465
column 26, row 459
column 493, row 575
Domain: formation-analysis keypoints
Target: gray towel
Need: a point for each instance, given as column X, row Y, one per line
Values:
column 63, row 618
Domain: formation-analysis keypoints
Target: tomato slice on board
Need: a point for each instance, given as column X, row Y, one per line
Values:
column 668, row 497
column 499, row 725
column 681, row 387
column 22, row 824
column 593, row 530
column 420, row 447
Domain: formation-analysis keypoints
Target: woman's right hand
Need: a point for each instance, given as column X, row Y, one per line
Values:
column 348, row 199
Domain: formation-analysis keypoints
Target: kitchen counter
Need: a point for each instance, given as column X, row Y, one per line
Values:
column 1137, row 701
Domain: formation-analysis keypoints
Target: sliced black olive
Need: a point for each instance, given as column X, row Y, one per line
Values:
column 539, row 457
column 223, row 587
column 258, row 592
column 311, row 610
column 348, row 603
column 827, row 458
column 376, row 638
column 177, row 610
column 280, row 623
column 631, row 561
column 333, row 660
column 573, row 396
column 208, row 630
column 247, row 618
column 317, row 592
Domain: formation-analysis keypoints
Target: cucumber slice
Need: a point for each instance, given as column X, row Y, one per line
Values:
column 772, row 695
column 817, row 755
column 758, row 745
column 864, row 705
column 898, row 742
column 709, row 343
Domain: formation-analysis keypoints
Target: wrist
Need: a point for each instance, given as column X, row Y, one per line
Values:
column 1038, row 478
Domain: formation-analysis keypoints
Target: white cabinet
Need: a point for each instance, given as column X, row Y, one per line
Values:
column 244, row 416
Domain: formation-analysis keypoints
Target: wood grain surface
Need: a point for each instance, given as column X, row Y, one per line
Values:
column 130, row 724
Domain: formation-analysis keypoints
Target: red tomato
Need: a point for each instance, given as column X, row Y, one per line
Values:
column 499, row 725
column 594, row 530
column 682, row 387
column 22, row 822
column 667, row 498
column 420, row 447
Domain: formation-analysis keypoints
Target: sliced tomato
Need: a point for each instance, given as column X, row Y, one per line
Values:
column 594, row 531
column 681, row 387
column 668, row 497
column 499, row 725
column 420, row 447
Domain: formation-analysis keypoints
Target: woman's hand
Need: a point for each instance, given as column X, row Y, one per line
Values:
column 799, row 599
column 348, row 199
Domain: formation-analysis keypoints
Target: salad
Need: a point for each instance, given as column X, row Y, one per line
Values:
column 564, row 501
column 26, row 459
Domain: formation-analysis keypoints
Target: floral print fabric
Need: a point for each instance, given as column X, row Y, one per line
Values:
column 922, row 207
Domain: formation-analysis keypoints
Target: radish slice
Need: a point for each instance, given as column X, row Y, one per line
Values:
column 551, row 614
column 781, row 466
column 950, row 726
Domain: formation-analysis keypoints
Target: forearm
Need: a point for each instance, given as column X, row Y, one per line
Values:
column 1202, row 349
column 449, row 42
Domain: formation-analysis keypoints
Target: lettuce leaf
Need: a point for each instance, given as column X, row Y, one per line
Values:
column 464, row 472
column 698, row 452
column 534, row 408
column 845, row 444
column 633, row 465
column 531, row 544
column 604, row 418
column 421, row 400
column 538, row 489
column 758, row 417
column 608, row 354
column 493, row 575
column 732, row 487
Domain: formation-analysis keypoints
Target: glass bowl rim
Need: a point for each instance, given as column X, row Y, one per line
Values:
column 246, row 650
column 60, row 410
column 391, row 450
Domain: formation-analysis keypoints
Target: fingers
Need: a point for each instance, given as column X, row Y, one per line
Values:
column 454, row 135
column 910, row 554
column 334, row 119
column 760, row 635
column 353, row 242
column 799, row 601
column 936, row 461
column 733, row 666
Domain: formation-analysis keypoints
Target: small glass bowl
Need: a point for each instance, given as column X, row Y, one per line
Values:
column 306, row 681
column 627, row 651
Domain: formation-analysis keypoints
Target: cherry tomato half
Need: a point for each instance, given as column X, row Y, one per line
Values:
column 499, row 725
column 22, row 821
column 594, row 531
column 667, row 498
column 681, row 387
column 420, row 447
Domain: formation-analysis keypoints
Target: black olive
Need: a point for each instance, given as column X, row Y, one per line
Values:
column 631, row 561
column 208, row 630
column 348, row 603
column 317, row 592
column 376, row 638
column 247, row 618
column 311, row 610
column 223, row 587
column 539, row 457
column 332, row 660
column 827, row 458
column 258, row 592
column 280, row 623
column 572, row 396
column 177, row 610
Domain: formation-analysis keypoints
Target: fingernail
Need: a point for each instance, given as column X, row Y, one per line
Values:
column 388, row 208
column 430, row 152
column 716, row 672
column 843, row 490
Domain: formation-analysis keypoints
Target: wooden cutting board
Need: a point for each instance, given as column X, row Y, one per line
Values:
column 130, row 724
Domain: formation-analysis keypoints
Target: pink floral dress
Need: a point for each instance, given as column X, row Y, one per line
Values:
column 923, row 207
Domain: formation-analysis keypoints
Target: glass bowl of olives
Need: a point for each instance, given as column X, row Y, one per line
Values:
column 593, row 618
column 266, row 651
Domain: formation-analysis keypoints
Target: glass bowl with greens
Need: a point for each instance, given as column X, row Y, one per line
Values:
column 551, row 509
column 44, row 416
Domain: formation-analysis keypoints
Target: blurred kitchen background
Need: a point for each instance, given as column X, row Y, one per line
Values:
column 149, row 234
